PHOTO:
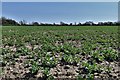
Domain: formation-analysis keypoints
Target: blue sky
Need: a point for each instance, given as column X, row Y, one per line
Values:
column 51, row 12
column 59, row 0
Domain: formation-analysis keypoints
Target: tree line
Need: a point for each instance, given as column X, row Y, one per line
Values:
column 10, row 22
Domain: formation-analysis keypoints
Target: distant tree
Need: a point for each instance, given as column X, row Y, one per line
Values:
column 35, row 23
column 79, row 24
column 54, row 24
column 100, row 24
column 89, row 23
column 75, row 24
column 62, row 23
column 117, row 23
column 110, row 23
column 71, row 24
column 9, row 22
column 23, row 23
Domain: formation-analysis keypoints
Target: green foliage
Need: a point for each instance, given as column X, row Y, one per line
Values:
column 45, row 47
column 49, row 61
column 110, row 54
column 34, row 67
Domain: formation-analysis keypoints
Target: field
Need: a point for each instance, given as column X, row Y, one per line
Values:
column 60, row 52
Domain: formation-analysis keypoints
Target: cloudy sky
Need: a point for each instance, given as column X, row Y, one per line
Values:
column 61, row 11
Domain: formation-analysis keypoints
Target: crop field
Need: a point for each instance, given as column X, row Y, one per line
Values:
column 60, row 52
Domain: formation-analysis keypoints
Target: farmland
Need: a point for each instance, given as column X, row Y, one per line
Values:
column 60, row 52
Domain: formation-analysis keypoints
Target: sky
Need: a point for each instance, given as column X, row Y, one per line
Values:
column 59, row 0
column 54, row 12
column 0, row 9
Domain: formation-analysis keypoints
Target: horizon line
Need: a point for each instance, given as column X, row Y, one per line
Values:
column 60, row 21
